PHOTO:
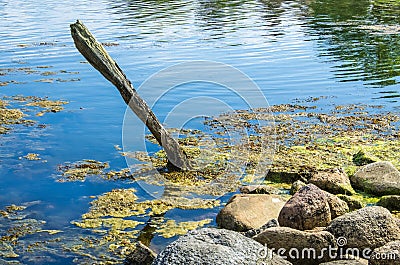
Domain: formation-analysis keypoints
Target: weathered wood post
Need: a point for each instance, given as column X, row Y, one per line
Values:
column 98, row 57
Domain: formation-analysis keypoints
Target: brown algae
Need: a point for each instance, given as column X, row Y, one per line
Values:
column 11, row 116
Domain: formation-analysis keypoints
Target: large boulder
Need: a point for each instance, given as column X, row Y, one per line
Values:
column 334, row 181
column 298, row 247
column 390, row 202
column 379, row 178
column 389, row 254
column 311, row 207
column 249, row 211
column 369, row 227
column 211, row 246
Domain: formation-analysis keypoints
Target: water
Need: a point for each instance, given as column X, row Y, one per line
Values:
column 348, row 50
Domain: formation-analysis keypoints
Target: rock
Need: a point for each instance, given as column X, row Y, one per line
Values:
column 390, row 202
column 369, row 227
column 211, row 246
column 253, row 232
column 337, row 206
column 285, row 177
column 346, row 262
column 142, row 255
column 397, row 222
column 258, row 189
column 379, row 178
column 309, row 245
column 352, row 202
column 296, row 186
column 311, row 207
column 334, row 181
column 249, row 211
column 389, row 254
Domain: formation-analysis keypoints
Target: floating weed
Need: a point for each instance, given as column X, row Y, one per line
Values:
column 47, row 105
column 18, row 239
column 171, row 228
column 78, row 171
column 47, row 73
column 116, row 215
column 10, row 116
column 32, row 156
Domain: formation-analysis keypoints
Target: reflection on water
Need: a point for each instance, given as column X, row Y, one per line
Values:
column 362, row 36
column 347, row 50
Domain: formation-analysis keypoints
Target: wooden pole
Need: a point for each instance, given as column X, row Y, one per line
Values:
column 98, row 57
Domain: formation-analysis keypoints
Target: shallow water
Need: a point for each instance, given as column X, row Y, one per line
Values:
column 346, row 50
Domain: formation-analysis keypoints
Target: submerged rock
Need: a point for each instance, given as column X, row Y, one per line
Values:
column 334, row 181
column 211, row 246
column 142, row 255
column 300, row 247
column 249, row 211
column 379, row 178
column 389, row 254
column 390, row 202
column 311, row 207
column 370, row 227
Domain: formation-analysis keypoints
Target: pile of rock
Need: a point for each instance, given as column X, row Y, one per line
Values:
column 314, row 226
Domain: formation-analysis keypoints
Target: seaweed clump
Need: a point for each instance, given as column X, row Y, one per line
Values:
column 117, row 219
column 12, row 113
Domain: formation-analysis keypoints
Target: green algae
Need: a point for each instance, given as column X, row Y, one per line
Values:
column 115, row 218
column 171, row 228
column 123, row 203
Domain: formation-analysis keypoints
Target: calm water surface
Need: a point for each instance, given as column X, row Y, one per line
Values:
column 347, row 50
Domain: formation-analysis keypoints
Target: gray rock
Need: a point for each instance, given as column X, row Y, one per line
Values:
column 249, row 211
column 253, row 232
column 397, row 222
column 352, row 202
column 337, row 206
column 334, row 181
column 389, row 254
column 390, row 202
column 379, row 178
column 258, row 189
column 308, row 208
column 309, row 244
column 210, row 246
column 369, row 227
column 296, row 186
column 142, row 255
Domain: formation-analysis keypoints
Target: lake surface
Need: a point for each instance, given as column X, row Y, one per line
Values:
column 348, row 51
